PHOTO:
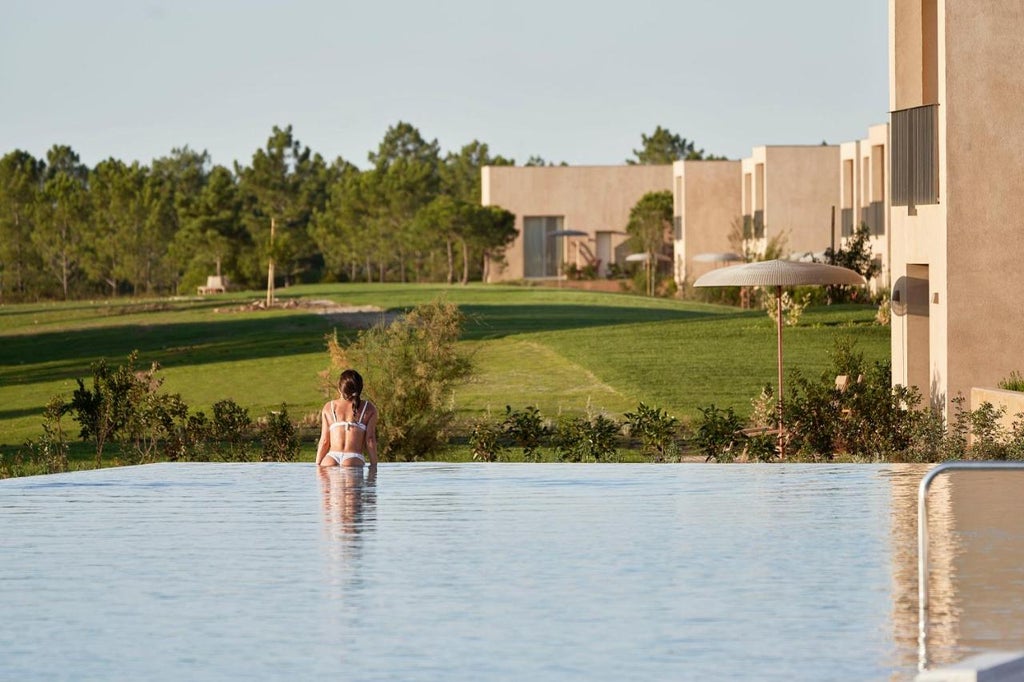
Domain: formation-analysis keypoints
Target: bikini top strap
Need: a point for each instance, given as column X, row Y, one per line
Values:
column 365, row 403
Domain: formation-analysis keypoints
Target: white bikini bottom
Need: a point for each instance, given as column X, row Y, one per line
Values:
column 342, row 457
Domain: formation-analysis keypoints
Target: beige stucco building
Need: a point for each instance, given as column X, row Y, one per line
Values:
column 706, row 200
column 957, row 135
column 864, row 197
column 789, row 191
column 595, row 200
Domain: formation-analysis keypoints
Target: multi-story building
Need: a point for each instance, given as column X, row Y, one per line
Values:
column 706, row 200
column 957, row 169
column 788, row 195
column 863, row 196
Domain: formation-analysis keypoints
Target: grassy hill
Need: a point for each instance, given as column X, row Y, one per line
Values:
column 561, row 350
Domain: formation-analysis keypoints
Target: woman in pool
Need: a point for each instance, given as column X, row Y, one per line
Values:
column 348, row 428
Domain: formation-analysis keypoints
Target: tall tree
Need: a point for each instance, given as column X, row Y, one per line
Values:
column 445, row 217
column 183, row 173
column 406, row 177
column 63, row 216
column 21, row 178
column 491, row 230
column 460, row 173
column 277, row 189
column 664, row 147
column 117, row 208
column 341, row 229
column 212, row 239
column 650, row 230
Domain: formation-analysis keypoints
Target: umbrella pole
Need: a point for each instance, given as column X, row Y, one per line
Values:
column 778, row 326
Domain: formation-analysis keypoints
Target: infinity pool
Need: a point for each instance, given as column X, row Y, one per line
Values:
column 500, row 572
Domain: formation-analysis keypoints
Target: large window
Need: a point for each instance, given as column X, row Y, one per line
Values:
column 914, row 156
column 542, row 250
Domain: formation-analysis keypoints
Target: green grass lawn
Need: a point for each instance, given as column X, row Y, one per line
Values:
column 561, row 350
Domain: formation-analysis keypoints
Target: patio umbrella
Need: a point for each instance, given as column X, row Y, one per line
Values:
column 646, row 259
column 717, row 257
column 778, row 274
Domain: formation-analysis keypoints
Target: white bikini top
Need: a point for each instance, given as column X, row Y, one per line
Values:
column 348, row 425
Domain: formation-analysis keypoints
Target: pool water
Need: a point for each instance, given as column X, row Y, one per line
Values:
column 500, row 572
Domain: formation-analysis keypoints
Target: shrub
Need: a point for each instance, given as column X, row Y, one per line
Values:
column 792, row 307
column 231, row 428
column 280, row 441
column 764, row 409
column 124, row 406
column 525, row 429
column 151, row 421
column 586, row 439
column 657, row 432
column 411, row 366
column 869, row 418
column 485, row 440
column 1014, row 382
column 51, row 450
column 718, row 433
column 189, row 439
column 102, row 411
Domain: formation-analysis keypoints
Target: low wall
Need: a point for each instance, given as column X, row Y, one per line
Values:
column 1013, row 401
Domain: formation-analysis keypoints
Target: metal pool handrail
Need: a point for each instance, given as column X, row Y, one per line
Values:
column 922, row 540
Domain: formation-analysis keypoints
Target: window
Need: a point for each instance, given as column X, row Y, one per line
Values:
column 542, row 251
column 914, row 157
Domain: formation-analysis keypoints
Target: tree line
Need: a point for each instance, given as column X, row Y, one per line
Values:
column 69, row 231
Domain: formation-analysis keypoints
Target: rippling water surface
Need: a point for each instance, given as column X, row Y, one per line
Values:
column 500, row 572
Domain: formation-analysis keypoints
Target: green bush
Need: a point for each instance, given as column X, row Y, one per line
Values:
column 486, row 440
column 526, row 429
column 718, row 433
column 280, row 441
column 586, row 439
column 869, row 418
column 50, row 452
column 657, row 432
column 189, row 439
column 410, row 368
column 103, row 411
column 124, row 406
column 232, row 428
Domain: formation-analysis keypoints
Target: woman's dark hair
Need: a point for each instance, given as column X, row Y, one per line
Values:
column 351, row 386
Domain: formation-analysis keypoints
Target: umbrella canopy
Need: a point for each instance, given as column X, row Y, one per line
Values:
column 778, row 274
column 643, row 257
column 716, row 257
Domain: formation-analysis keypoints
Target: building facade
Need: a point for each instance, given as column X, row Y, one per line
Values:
column 707, row 216
column 567, row 215
column 956, row 135
column 788, row 194
column 864, row 196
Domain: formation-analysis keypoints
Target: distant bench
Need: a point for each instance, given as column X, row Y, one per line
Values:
column 215, row 284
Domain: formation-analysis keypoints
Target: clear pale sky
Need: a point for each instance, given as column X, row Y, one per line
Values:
column 569, row 81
